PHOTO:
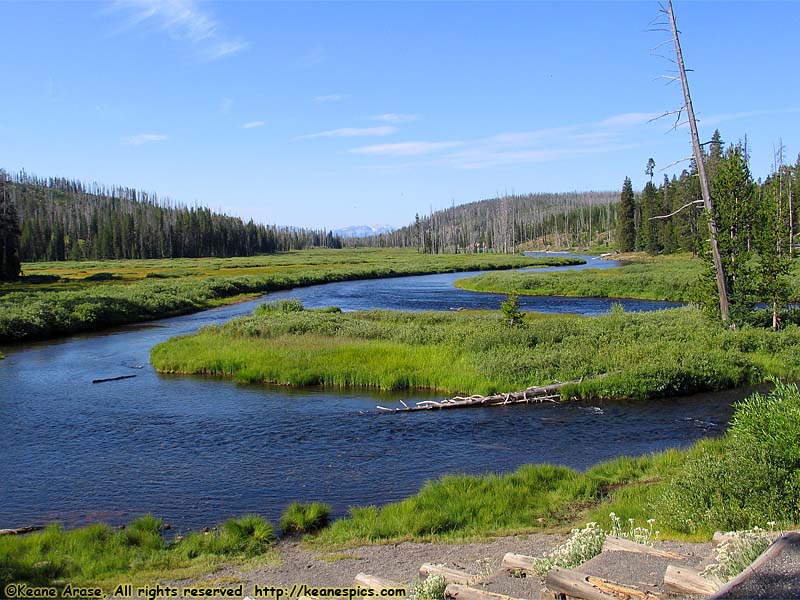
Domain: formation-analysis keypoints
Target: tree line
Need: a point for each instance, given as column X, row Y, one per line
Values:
column 503, row 224
column 63, row 219
column 756, row 223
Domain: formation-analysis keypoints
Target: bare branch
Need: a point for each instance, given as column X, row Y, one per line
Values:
column 672, row 164
column 677, row 111
column 657, row 46
column 687, row 205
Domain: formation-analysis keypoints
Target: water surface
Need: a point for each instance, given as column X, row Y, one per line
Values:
column 197, row 450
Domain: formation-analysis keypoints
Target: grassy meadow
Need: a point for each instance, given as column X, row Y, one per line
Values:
column 639, row 355
column 60, row 298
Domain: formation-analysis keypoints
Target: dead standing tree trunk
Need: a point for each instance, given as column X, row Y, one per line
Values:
column 708, row 203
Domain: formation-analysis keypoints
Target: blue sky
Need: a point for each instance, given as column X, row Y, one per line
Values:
column 334, row 114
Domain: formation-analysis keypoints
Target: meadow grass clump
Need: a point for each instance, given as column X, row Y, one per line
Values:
column 284, row 305
column 304, row 517
column 246, row 536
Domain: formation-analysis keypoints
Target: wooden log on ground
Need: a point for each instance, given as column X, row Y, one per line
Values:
column 21, row 530
column 615, row 544
column 578, row 585
column 513, row 561
column 113, row 378
column 783, row 543
column 685, row 580
column 375, row 583
column 449, row 574
column 719, row 537
column 462, row 592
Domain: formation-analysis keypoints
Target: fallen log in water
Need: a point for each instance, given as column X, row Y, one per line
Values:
column 20, row 530
column 112, row 378
column 547, row 393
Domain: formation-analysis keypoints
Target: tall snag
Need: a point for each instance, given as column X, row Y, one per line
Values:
column 708, row 203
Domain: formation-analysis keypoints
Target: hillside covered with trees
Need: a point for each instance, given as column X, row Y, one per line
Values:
column 503, row 224
column 63, row 219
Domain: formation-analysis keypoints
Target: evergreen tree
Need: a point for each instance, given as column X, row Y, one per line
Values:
column 651, row 207
column 9, row 233
column 626, row 218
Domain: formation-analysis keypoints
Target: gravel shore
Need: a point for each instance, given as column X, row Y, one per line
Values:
column 401, row 562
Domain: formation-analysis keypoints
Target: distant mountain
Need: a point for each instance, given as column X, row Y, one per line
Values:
column 361, row 231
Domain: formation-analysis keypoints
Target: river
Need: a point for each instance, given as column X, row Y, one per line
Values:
column 196, row 451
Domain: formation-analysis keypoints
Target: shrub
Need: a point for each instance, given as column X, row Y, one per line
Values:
column 753, row 477
column 284, row 305
column 581, row 545
column 301, row 517
column 430, row 588
column 101, row 276
column 512, row 316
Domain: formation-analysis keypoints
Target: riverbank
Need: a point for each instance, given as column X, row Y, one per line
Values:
column 638, row 355
column 672, row 277
column 58, row 299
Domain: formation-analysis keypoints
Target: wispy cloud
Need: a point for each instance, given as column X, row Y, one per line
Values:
column 330, row 98
column 144, row 138
column 404, row 148
column 394, row 118
column 614, row 133
column 627, row 120
column 252, row 124
column 719, row 118
column 182, row 20
column 354, row 132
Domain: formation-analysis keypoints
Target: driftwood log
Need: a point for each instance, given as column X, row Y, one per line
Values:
column 513, row 561
column 578, row 585
column 375, row 583
column 20, row 530
column 112, row 378
column 462, row 592
column 449, row 574
column 536, row 394
column 615, row 544
column 684, row 580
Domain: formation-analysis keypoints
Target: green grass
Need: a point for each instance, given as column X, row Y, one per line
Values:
column 100, row 555
column 86, row 296
column 664, row 278
column 673, row 277
column 640, row 355
column 301, row 517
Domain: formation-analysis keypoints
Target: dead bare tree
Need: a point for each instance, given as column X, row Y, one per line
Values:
column 708, row 203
